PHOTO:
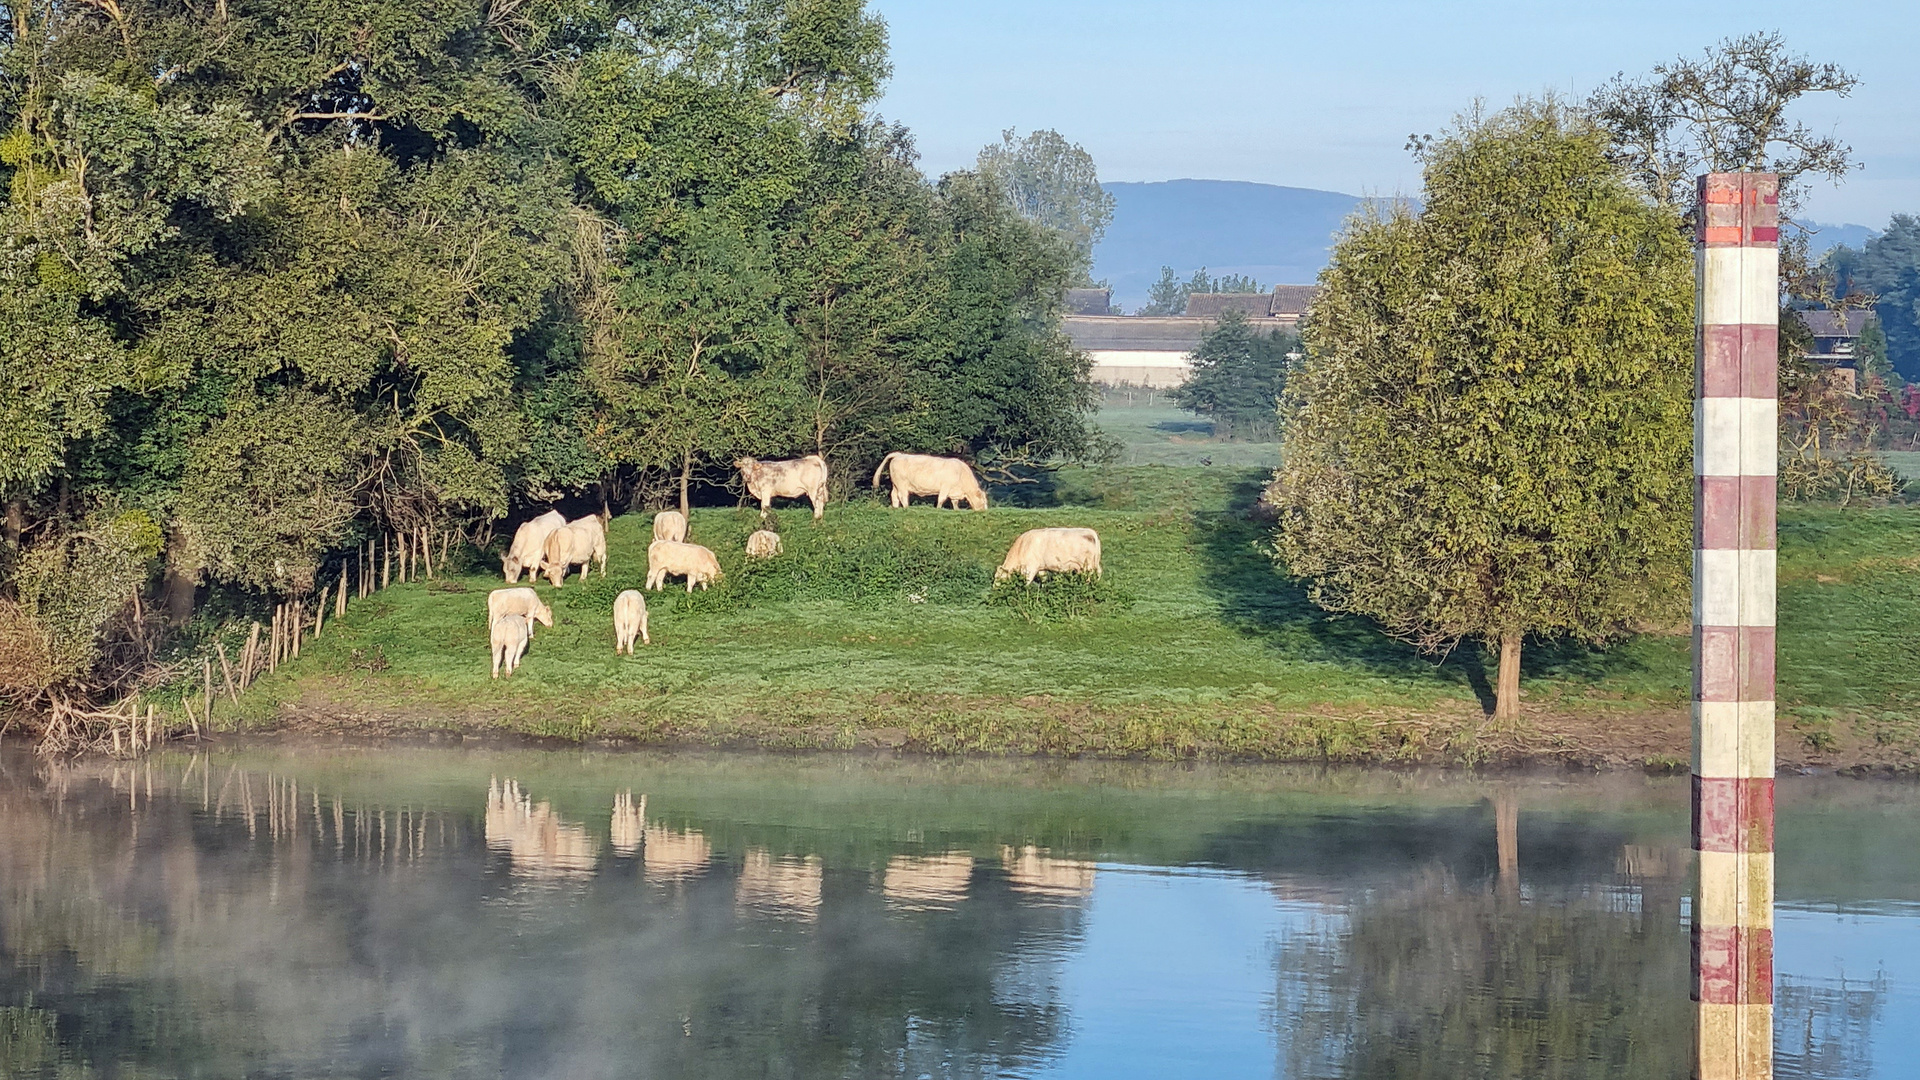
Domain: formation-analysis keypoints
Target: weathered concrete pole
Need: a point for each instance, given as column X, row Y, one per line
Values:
column 1735, row 432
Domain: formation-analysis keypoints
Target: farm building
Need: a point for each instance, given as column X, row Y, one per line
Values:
column 1154, row 350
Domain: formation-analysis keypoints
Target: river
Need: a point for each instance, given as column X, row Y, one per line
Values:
column 378, row 911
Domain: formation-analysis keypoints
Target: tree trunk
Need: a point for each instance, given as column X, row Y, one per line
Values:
column 1507, row 693
column 176, row 590
column 686, row 480
column 16, row 525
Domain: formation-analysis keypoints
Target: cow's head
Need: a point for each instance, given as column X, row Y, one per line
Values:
column 510, row 567
column 748, row 465
column 542, row 614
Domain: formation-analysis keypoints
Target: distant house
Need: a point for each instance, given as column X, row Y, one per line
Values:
column 1089, row 301
column 1156, row 351
column 1836, row 337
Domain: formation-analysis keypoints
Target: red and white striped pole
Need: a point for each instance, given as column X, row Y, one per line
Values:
column 1735, row 425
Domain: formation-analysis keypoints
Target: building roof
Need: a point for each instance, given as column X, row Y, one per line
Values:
column 1090, row 301
column 1213, row 305
column 1293, row 299
column 1836, row 324
column 1134, row 333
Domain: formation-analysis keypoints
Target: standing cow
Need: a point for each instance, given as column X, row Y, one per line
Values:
column 629, row 621
column 578, row 543
column 670, row 525
column 529, row 543
column 510, row 634
column 520, row 601
column 665, row 557
column 770, row 480
column 944, row 478
column 1043, row 551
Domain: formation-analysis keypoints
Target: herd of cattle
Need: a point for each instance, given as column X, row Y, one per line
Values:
column 552, row 546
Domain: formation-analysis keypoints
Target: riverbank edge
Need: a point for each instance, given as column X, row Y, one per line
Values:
column 1630, row 737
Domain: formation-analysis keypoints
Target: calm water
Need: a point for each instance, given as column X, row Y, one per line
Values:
column 442, row 913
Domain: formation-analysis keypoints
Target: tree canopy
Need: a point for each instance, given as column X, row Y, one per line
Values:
column 1490, row 435
column 284, row 275
column 1236, row 379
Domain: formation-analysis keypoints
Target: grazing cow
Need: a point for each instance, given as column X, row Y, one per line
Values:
column 578, row 543
column 666, row 557
column 521, row 601
column 629, row 621
column 1039, row 551
column 944, row 478
column 670, row 525
column 529, row 542
column 510, row 634
column 764, row 544
column 770, row 480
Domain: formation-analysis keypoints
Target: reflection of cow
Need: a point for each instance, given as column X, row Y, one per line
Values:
column 770, row 480
column 1058, row 550
column 1032, row 871
column 927, row 883
column 537, row 842
column 671, row 856
column 786, row 887
column 629, row 823
column 944, row 478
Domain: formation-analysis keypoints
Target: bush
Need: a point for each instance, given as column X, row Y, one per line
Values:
column 67, row 592
column 1059, row 597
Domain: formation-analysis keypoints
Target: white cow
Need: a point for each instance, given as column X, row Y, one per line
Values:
column 529, row 542
column 578, row 543
column 666, row 557
column 629, row 621
column 770, row 480
column 670, row 525
column 1040, row 551
column 944, row 478
column 518, row 601
column 763, row 544
column 510, row 634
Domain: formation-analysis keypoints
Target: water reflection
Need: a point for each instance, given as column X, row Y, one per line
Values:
column 537, row 842
column 393, row 914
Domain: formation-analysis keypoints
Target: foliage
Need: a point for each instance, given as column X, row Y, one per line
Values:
column 1490, row 436
column 1059, row 597
column 1827, row 432
column 1236, row 379
column 1727, row 111
column 1169, row 294
column 1052, row 182
column 285, row 275
column 67, row 590
column 1887, row 269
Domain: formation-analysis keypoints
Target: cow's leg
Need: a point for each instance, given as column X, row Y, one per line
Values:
column 644, row 639
column 817, row 498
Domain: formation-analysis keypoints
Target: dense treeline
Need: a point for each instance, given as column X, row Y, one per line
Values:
column 278, row 276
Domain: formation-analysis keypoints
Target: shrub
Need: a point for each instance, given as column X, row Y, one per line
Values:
column 1059, row 597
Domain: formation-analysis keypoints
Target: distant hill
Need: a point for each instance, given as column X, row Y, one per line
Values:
column 1826, row 237
column 1279, row 235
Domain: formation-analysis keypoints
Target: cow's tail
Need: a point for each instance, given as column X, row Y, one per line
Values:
column 883, row 467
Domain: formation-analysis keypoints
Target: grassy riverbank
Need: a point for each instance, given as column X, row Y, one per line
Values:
column 880, row 627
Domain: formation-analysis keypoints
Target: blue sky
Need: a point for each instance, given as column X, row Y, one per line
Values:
column 1324, row 95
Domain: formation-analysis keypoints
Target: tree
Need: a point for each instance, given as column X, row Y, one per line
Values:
column 1236, row 379
column 1052, row 182
column 1887, row 268
column 1490, row 436
column 1169, row 294
column 1727, row 111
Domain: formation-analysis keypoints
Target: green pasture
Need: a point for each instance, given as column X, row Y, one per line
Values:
column 883, row 627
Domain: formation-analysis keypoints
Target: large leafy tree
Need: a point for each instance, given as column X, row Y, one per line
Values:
column 1888, row 268
column 1490, row 435
column 1054, row 183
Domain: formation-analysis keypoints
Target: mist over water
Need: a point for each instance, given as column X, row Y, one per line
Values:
column 374, row 912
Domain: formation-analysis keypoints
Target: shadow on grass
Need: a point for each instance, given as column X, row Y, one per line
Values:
column 1259, row 600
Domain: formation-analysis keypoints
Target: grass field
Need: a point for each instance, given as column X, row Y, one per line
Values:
column 1152, row 432
column 875, row 628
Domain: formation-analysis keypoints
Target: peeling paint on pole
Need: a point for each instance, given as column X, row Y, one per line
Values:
column 1735, row 433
